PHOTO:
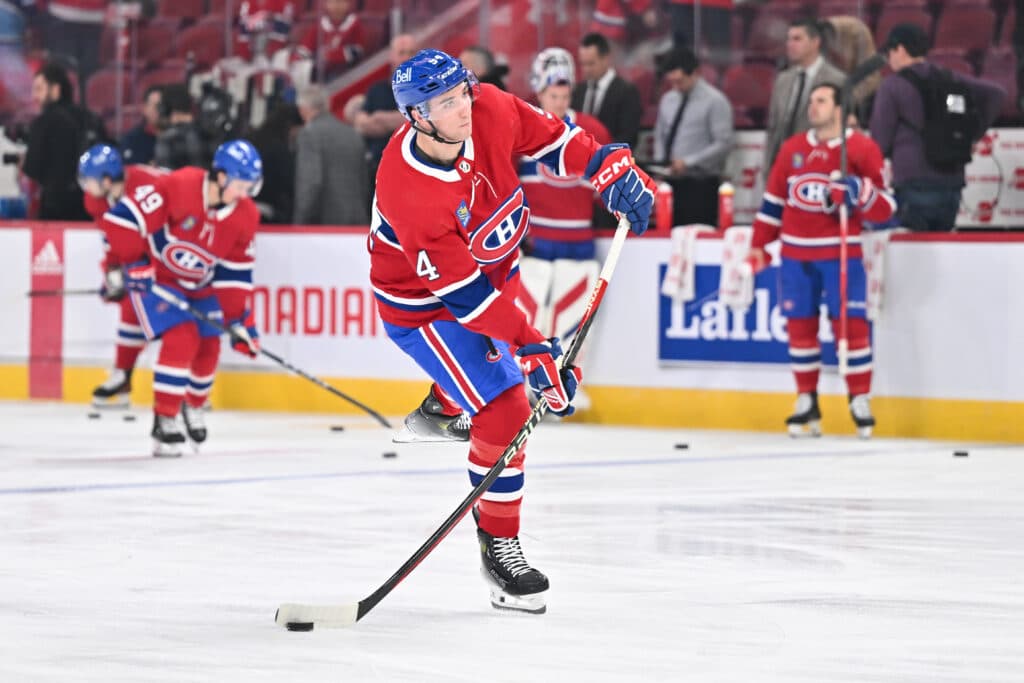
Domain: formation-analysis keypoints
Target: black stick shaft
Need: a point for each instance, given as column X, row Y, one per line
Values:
column 62, row 292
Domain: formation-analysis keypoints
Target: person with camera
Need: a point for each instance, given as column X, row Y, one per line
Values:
column 181, row 142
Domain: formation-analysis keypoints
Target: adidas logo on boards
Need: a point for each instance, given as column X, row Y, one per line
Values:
column 47, row 260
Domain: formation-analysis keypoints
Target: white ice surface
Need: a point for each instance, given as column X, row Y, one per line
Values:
column 747, row 557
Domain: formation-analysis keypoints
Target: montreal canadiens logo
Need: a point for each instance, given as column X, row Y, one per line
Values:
column 187, row 260
column 807, row 192
column 500, row 235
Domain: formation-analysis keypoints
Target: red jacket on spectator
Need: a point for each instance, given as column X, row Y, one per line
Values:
column 342, row 44
column 271, row 19
column 610, row 15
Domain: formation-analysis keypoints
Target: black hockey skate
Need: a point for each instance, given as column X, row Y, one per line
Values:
column 167, row 437
column 806, row 420
column 115, row 391
column 429, row 424
column 514, row 584
column 860, row 411
column 195, row 422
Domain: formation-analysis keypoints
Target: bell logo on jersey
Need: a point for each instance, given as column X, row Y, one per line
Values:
column 807, row 192
column 187, row 260
column 500, row 235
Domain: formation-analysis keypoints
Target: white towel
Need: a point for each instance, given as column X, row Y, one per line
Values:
column 736, row 283
column 679, row 275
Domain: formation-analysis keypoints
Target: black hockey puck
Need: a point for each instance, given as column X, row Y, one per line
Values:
column 337, row 428
column 389, row 454
column 94, row 416
column 682, row 446
column 128, row 418
column 299, row 626
column 960, row 454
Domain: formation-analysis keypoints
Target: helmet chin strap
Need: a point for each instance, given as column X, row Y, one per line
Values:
column 433, row 134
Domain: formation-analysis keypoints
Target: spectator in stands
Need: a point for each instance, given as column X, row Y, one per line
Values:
column 693, row 136
column 275, row 141
column 180, row 143
column 336, row 42
column 480, row 61
column 138, row 146
column 263, row 27
column 331, row 176
column 927, row 187
column 847, row 43
column 380, row 116
column 612, row 17
column 73, row 31
column 54, row 143
column 787, row 110
column 604, row 94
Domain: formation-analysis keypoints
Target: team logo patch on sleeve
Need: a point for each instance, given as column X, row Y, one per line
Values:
column 798, row 160
column 462, row 213
column 188, row 223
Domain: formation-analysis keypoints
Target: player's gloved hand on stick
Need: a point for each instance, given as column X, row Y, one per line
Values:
column 244, row 337
column 624, row 187
column 850, row 190
column 138, row 276
column 557, row 387
column 112, row 288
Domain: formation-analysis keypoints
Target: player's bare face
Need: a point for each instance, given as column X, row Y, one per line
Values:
column 94, row 188
column 452, row 113
column 237, row 189
column 555, row 99
column 822, row 112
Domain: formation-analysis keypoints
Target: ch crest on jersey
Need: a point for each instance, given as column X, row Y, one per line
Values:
column 187, row 260
column 807, row 192
column 500, row 234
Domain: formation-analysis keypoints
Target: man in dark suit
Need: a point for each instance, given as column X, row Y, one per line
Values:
column 604, row 94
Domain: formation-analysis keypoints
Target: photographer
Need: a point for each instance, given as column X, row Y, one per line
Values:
column 55, row 139
column 180, row 144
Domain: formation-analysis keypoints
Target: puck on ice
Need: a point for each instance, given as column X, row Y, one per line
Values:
column 337, row 428
column 299, row 626
column 682, row 446
column 128, row 418
column 389, row 454
column 960, row 454
column 94, row 416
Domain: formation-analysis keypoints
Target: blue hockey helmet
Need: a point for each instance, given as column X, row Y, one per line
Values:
column 427, row 74
column 99, row 162
column 239, row 160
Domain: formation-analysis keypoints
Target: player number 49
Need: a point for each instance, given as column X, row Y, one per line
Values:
column 424, row 268
column 147, row 200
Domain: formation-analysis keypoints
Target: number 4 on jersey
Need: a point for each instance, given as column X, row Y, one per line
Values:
column 424, row 268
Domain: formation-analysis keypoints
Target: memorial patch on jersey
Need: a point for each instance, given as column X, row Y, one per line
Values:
column 462, row 213
column 499, row 236
column 807, row 192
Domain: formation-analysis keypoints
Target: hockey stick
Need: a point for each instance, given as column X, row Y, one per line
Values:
column 296, row 617
column 183, row 305
column 62, row 292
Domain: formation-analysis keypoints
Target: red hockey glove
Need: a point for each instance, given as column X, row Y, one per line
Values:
column 558, row 387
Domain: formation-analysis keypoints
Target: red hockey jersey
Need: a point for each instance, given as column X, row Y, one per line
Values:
column 562, row 208
column 136, row 176
column 793, row 202
column 197, row 248
column 342, row 44
column 444, row 242
column 269, row 19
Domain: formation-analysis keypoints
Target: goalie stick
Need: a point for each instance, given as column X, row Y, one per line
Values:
column 297, row 617
column 183, row 305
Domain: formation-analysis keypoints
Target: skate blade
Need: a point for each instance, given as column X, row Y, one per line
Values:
column 531, row 604
column 166, row 450
column 115, row 402
column 406, row 435
column 804, row 431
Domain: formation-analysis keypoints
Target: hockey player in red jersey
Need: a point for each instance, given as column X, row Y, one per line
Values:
column 448, row 219
column 104, row 180
column 558, row 268
column 263, row 27
column 800, row 207
column 336, row 41
column 195, row 229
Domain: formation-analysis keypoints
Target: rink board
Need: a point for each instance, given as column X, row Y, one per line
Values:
column 945, row 363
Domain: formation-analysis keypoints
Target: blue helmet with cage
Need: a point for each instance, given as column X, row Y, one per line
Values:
column 239, row 160
column 99, row 162
column 427, row 74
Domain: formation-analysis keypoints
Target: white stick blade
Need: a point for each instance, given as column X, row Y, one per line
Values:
column 307, row 617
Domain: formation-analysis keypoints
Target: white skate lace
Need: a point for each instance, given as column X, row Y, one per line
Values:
column 860, row 406
column 461, row 422
column 509, row 554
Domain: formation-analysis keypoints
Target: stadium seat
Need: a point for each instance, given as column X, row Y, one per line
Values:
column 899, row 14
column 749, row 87
column 205, row 41
column 953, row 59
column 375, row 30
column 163, row 75
column 966, row 27
column 1008, row 25
column 101, row 90
column 153, row 40
column 182, row 9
